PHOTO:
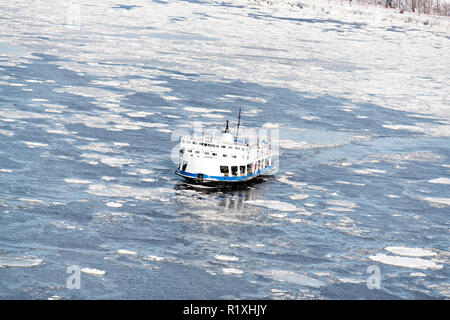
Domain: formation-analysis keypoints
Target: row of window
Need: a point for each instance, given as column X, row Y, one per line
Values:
column 207, row 153
column 235, row 171
column 210, row 145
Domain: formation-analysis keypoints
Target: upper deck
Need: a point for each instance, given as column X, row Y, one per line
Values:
column 223, row 147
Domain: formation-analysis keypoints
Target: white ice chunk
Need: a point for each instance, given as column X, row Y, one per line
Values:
column 232, row 271
column 92, row 271
column 127, row 252
column 405, row 262
column 440, row 180
column 411, row 252
column 222, row 257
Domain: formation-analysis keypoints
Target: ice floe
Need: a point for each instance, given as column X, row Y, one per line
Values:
column 417, row 274
column 222, row 257
column 411, row 252
column 155, row 258
column 232, row 271
column 405, row 262
column 440, row 180
column 35, row 144
column 419, row 156
column 116, row 161
column 439, row 202
column 310, row 118
column 114, row 204
column 11, row 261
column 430, row 130
column 126, row 252
column 294, row 184
column 6, row 133
column 92, row 271
column 32, row 200
column 368, row 171
column 302, row 145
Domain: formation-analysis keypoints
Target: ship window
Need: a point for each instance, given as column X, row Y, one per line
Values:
column 249, row 168
column 184, row 166
column 189, row 150
column 197, row 151
column 224, row 170
column 194, row 142
column 181, row 151
column 233, row 156
column 242, row 169
column 182, row 141
column 214, row 154
column 237, row 148
column 230, row 147
column 234, row 170
column 207, row 153
column 224, row 147
column 224, row 155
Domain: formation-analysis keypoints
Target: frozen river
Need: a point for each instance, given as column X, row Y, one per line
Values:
column 91, row 95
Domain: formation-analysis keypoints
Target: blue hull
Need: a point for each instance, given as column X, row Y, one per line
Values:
column 204, row 178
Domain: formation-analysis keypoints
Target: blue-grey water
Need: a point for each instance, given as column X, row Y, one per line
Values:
column 92, row 94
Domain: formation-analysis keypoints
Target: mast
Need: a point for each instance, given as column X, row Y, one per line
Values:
column 239, row 123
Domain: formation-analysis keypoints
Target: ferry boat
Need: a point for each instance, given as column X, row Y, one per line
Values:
column 222, row 158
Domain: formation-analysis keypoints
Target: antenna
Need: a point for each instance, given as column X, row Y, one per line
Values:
column 226, row 128
column 239, row 123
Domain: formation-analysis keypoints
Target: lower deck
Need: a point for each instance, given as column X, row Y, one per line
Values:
column 204, row 178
